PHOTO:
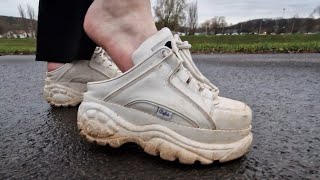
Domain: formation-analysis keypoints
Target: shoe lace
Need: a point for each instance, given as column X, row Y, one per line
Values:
column 104, row 59
column 182, row 51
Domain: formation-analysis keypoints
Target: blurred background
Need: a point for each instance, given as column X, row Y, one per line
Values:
column 211, row 26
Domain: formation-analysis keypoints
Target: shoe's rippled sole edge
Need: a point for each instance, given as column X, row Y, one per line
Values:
column 108, row 128
column 62, row 96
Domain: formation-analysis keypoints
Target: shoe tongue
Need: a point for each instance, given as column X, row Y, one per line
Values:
column 151, row 44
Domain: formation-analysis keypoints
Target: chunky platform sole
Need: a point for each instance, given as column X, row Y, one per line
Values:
column 99, row 124
column 62, row 96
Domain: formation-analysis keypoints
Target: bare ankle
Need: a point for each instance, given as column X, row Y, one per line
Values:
column 120, row 27
column 51, row 66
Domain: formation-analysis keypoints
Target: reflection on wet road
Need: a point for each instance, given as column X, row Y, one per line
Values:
column 40, row 142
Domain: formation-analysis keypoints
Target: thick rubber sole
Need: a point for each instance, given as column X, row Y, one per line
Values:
column 62, row 96
column 107, row 128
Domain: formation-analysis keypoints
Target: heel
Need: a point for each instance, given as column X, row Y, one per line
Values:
column 61, row 96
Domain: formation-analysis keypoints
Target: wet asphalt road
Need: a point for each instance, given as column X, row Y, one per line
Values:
column 41, row 142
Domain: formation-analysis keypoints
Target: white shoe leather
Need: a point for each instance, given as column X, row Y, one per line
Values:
column 66, row 85
column 165, row 105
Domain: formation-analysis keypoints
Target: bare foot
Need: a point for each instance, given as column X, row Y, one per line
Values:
column 51, row 66
column 120, row 27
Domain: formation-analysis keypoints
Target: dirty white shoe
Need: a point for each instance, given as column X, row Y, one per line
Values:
column 167, row 108
column 66, row 85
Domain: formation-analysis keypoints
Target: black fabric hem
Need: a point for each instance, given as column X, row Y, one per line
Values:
column 61, row 36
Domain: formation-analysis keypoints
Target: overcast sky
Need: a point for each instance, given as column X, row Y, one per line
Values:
column 234, row 10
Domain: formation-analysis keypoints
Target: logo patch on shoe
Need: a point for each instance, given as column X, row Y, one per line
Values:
column 164, row 114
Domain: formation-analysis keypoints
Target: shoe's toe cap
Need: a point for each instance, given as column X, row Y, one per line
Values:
column 232, row 115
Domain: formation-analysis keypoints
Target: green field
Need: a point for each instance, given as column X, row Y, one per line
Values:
column 17, row 46
column 298, row 43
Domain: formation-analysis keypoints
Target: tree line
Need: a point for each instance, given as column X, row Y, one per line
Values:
column 183, row 17
column 177, row 15
column 180, row 16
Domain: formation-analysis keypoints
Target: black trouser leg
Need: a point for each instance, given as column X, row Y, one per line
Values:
column 61, row 37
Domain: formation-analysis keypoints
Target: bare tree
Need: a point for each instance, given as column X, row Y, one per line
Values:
column 222, row 23
column 193, row 17
column 316, row 11
column 170, row 13
column 32, row 16
column 206, row 26
column 22, row 13
column 215, row 23
column 28, row 19
column 292, row 22
column 31, row 12
column 210, row 25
